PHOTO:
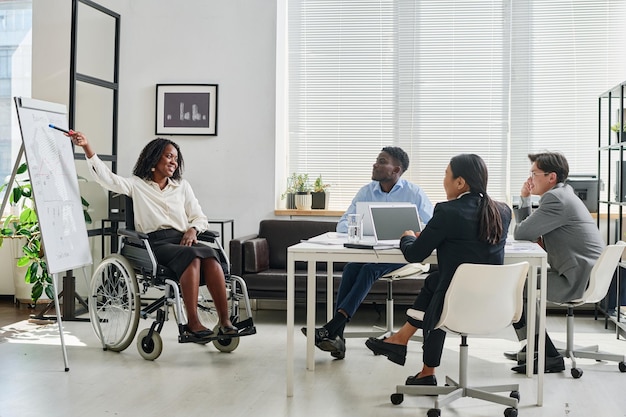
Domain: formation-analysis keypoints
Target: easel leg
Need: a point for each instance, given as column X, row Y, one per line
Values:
column 59, row 321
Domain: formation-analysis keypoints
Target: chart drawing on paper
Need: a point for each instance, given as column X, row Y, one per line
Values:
column 53, row 177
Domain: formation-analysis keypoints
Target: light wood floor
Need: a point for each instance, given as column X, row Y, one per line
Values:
column 198, row 380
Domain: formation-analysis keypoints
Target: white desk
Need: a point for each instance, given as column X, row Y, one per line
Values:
column 315, row 252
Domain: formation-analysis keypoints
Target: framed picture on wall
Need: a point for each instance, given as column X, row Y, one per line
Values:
column 186, row 109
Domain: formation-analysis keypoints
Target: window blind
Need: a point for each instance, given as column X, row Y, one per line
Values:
column 442, row 77
column 564, row 55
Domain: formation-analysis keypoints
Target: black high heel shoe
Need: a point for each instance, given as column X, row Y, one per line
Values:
column 394, row 352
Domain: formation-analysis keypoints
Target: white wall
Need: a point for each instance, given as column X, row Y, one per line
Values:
column 229, row 43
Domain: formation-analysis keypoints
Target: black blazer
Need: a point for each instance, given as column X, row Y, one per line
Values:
column 453, row 231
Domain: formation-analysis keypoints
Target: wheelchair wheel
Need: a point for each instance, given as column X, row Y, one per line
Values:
column 149, row 348
column 114, row 303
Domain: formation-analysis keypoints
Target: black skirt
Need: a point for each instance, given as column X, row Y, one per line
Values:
column 169, row 252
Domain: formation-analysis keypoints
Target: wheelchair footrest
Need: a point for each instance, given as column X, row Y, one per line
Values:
column 245, row 328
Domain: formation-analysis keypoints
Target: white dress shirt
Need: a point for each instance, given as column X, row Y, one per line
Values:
column 173, row 207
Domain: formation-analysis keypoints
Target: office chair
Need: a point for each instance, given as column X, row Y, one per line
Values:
column 599, row 282
column 481, row 299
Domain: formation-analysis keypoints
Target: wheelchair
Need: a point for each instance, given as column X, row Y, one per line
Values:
column 118, row 298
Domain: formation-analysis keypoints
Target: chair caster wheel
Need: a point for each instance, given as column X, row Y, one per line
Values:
column 515, row 394
column 397, row 398
column 510, row 412
column 577, row 373
column 622, row 366
column 433, row 412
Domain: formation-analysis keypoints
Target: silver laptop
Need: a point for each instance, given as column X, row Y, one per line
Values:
column 363, row 207
column 390, row 221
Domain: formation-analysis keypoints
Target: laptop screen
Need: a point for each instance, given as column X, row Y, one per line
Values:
column 363, row 207
column 391, row 221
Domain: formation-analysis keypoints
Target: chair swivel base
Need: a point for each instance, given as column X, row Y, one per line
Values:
column 453, row 391
column 591, row 352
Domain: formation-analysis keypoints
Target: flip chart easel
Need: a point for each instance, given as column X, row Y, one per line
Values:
column 57, row 199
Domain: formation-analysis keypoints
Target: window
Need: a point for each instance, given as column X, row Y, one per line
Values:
column 564, row 54
column 442, row 77
column 15, row 77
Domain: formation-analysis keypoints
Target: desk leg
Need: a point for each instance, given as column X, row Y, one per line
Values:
column 531, row 304
column 536, row 310
column 310, row 316
column 330, row 288
column 543, row 285
column 290, row 321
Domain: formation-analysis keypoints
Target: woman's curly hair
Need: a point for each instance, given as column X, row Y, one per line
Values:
column 150, row 155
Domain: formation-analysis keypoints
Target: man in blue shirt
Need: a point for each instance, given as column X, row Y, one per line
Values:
column 357, row 278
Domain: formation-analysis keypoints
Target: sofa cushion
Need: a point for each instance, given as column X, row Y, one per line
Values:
column 280, row 234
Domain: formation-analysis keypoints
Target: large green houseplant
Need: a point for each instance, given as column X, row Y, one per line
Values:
column 23, row 223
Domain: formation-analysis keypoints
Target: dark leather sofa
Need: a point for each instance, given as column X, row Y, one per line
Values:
column 261, row 260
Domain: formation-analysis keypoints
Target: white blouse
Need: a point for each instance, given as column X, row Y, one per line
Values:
column 173, row 207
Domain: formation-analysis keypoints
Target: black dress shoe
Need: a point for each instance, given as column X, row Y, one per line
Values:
column 516, row 356
column 323, row 341
column 394, row 352
column 320, row 333
column 424, row 380
column 553, row 364
column 200, row 334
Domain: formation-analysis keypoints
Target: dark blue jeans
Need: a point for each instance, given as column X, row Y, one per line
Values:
column 356, row 281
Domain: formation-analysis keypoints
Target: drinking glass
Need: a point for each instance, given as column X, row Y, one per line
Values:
column 355, row 227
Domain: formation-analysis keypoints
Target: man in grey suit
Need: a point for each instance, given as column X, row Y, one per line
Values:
column 563, row 226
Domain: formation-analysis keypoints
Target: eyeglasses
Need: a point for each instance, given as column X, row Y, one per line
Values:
column 535, row 174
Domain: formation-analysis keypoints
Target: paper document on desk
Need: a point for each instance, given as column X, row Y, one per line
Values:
column 521, row 245
column 328, row 238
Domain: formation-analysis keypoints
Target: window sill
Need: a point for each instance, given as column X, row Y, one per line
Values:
column 320, row 213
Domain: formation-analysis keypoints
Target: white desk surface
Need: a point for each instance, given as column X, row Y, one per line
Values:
column 329, row 248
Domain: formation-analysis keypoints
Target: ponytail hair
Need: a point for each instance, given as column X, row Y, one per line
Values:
column 474, row 171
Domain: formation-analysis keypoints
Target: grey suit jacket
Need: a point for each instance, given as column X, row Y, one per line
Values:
column 570, row 236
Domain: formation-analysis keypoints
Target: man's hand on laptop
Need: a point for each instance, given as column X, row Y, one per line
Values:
column 410, row 233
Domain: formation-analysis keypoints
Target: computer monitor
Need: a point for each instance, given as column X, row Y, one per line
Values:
column 586, row 188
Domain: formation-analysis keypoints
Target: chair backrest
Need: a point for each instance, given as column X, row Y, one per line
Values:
column 602, row 273
column 483, row 299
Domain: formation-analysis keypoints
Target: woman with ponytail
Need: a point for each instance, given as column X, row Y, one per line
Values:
column 468, row 228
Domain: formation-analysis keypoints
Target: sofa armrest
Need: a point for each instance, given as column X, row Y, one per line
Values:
column 256, row 255
column 236, row 254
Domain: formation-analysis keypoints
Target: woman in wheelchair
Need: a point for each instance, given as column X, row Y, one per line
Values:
column 166, row 209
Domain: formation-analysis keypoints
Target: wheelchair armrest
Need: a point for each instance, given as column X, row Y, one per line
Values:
column 132, row 233
column 208, row 235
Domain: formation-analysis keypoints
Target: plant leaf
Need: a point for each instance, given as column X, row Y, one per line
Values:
column 17, row 194
column 50, row 291
column 23, row 168
column 36, row 292
column 23, row 261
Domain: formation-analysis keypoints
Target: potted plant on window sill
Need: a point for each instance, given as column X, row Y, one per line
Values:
column 21, row 226
column 302, row 189
column 319, row 195
column 290, row 195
